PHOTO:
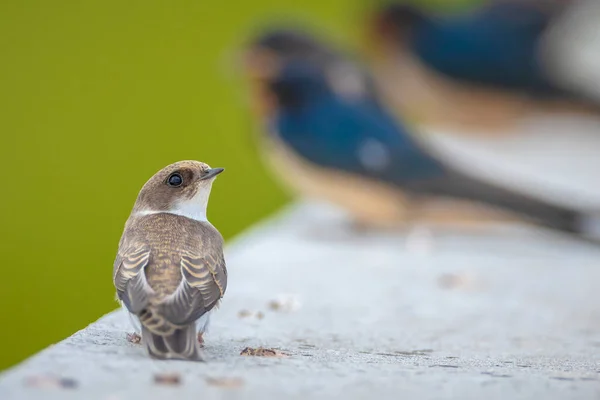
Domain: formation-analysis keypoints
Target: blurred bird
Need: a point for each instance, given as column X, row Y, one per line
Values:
column 331, row 137
column 169, row 271
column 489, row 65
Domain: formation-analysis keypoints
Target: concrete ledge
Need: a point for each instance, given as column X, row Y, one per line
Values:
column 504, row 313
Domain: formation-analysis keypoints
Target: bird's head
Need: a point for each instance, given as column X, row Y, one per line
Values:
column 276, row 60
column 393, row 23
column 181, row 188
column 266, row 53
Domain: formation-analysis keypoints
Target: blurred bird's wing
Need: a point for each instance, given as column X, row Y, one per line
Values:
column 128, row 276
column 202, row 287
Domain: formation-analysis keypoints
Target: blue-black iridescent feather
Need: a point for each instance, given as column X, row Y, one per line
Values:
column 329, row 130
column 497, row 45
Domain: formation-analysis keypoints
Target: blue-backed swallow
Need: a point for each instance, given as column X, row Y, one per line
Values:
column 487, row 67
column 331, row 137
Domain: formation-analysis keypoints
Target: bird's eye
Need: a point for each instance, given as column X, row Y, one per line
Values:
column 175, row 180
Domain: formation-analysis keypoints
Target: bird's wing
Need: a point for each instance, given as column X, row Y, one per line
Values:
column 202, row 287
column 128, row 276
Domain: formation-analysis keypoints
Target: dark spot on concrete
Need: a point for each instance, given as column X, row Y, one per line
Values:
column 496, row 375
column 414, row 352
column 562, row 378
column 523, row 366
column 68, row 383
column 444, row 366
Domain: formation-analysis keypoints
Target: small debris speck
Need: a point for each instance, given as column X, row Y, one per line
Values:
column 262, row 352
column 231, row 383
column 285, row 303
column 167, row 379
column 68, row 383
column 134, row 338
column 51, row 382
column 456, row 281
column 247, row 313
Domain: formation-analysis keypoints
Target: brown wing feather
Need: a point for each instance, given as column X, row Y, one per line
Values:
column 177, row 274
column 203, row 286
column 129, row 282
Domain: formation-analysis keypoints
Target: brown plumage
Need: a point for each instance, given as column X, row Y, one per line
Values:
column 169, row 271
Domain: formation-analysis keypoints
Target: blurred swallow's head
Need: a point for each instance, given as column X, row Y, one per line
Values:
column 272, row 62
column 394, row 22
column 182, row 185
column 265, row 54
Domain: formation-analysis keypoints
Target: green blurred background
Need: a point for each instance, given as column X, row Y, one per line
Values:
column 95, row 97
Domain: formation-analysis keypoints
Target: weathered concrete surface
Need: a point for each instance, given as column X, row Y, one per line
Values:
column 505, row 313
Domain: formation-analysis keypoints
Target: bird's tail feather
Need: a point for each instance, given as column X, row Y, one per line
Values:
column 461, row 186
column 180, row 344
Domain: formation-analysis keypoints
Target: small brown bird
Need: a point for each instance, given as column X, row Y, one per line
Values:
column 169, row 271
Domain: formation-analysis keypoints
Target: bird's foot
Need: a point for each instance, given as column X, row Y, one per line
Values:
column 134, row 338
column 201, row 339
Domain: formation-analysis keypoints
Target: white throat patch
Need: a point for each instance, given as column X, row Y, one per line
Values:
column 195, row 208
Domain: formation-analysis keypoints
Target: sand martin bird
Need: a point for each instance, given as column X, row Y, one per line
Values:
column 169, row 272
column 333, row 139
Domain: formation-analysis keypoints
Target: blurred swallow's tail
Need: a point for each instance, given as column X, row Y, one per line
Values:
column 461, row 186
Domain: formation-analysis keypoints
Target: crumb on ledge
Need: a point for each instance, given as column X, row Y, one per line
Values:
column 285, row 303
column 225, row 382
column 167, row 379
column 262, row 352
column 134, row 338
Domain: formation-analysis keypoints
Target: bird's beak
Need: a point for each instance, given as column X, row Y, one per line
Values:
column 211, row 173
